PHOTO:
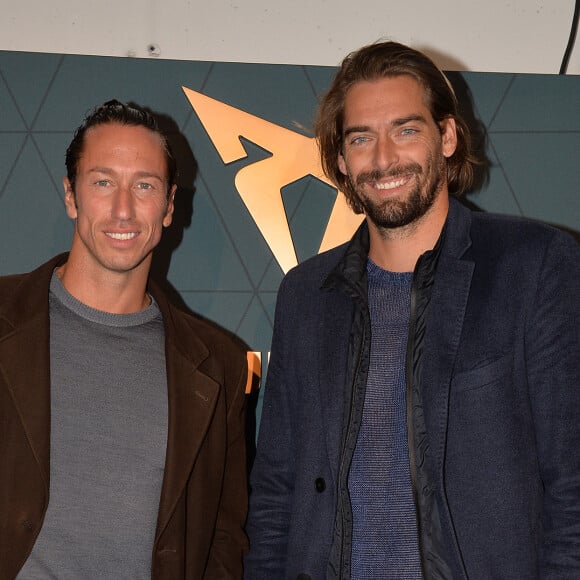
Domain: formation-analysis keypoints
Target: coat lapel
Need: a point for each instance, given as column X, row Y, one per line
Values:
column 192, row 399
column 445, row 318
column 25, row 359
column 445, row 322
column 444, row 325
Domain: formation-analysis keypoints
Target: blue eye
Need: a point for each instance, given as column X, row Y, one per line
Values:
column 408, row 131
column 144, row 185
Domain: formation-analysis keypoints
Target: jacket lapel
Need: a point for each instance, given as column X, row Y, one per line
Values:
column 447, row 311
column 25, row 359
column 446, row 314
column 192, row 399
column 445, row 319
column 24, row 367
column 445, row 322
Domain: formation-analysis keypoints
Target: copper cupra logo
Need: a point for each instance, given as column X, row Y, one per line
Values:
column 259, row 184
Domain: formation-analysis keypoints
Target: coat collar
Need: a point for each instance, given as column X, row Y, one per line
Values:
column 350, row 274
column 193, row 395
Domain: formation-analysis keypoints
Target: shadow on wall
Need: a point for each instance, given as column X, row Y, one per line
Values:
column 187, row 168
column 477, row 130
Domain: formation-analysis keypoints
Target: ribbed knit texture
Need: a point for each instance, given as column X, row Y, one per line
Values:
column 385, row 542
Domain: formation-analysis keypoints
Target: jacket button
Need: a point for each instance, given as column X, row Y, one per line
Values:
column 320, row 484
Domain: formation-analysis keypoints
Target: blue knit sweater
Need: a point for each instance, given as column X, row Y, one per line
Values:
column 385, row 542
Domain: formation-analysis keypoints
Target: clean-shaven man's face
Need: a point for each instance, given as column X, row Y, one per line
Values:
column 121, row 200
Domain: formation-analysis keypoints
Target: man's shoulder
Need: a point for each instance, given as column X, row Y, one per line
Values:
column 509, row 231
column 212, row 332
column 489, row 232
column 316, row 269
column 189, row 326
column 9, row 282
column 226, row 352
column 517, row 248
column 8, row 289
column 27, row 282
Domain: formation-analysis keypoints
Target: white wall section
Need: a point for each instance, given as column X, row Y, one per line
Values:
column 524, row 36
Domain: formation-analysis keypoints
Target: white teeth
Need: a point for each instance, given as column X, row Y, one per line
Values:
column 123, row 236
column 390, row 184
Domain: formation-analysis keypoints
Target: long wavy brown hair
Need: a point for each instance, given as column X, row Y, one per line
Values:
column 391, row 59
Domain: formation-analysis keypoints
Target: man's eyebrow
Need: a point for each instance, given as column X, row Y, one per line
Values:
column 395, row 123
column 148, row 174
column 408, row 119
column 105, row 170
column 138, row 174
column 355, row 129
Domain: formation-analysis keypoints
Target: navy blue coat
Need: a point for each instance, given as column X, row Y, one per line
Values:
column 501, row 401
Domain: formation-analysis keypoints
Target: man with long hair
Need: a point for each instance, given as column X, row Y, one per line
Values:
column 421, row 415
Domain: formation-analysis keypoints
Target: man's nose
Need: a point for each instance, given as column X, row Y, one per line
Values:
column 123, row 203
column 386, row 153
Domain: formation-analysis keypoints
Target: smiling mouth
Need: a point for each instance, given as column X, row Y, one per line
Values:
column 122, row 236
column 391, row 184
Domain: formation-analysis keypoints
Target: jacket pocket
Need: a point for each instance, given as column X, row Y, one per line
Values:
column 486, row 373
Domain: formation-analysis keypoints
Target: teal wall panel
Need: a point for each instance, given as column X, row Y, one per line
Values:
column 214, row 256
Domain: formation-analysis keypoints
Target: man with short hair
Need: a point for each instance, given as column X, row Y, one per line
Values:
column 121, row 417
column 421, row 416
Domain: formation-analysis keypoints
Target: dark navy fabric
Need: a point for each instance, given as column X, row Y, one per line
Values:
column 500, row 393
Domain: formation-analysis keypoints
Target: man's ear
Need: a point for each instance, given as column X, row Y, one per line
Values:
column 448, row 136
column 170, row 207
column 342, row 163
column 70, row 202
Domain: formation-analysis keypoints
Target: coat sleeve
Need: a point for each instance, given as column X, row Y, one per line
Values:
column 553, row 374
column 272, row 477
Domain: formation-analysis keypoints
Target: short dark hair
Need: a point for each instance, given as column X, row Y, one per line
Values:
column 391, row 59
column 122, row 114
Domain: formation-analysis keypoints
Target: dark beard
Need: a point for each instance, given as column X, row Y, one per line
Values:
column 396, row 213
